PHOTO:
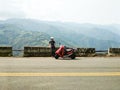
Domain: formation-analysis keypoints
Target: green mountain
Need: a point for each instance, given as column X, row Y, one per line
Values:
column 11, row 35
column 25, row 32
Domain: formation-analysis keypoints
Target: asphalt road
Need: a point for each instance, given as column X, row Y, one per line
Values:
column 46, row 65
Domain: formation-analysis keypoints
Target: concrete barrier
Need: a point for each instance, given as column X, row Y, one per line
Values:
column 45, row 51
column 114, row 51
column 37, row 51
column 5, row 51
column 85, row 52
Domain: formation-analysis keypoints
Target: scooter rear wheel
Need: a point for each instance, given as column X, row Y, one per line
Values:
column 73, row 56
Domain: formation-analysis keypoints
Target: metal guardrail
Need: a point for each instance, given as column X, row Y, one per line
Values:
column 101, row 51
column 18, row 50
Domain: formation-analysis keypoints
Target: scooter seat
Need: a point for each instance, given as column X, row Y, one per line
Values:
column 68, row 50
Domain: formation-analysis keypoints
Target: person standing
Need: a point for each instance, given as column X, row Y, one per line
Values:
column 52, row 46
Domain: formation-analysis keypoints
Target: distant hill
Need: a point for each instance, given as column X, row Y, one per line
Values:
column 11, row 35
column 25, row 32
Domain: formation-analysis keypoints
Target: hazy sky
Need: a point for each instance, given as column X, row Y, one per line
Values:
column 83, row 11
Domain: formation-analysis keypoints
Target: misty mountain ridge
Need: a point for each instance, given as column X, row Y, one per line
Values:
column 25, row 32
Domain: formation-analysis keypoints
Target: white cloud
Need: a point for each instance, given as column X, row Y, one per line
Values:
column 11, row 9
column 84, row 11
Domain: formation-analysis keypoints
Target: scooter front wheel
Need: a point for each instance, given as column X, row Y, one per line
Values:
column 56, row 56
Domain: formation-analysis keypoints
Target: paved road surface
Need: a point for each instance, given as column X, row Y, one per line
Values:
column 47, row 65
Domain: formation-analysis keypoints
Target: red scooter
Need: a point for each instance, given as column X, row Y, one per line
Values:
column 63, row 51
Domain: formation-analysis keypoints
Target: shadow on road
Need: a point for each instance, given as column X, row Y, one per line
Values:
column 67, row 58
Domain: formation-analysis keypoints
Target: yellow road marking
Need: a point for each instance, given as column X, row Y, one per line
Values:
column 63, row 74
